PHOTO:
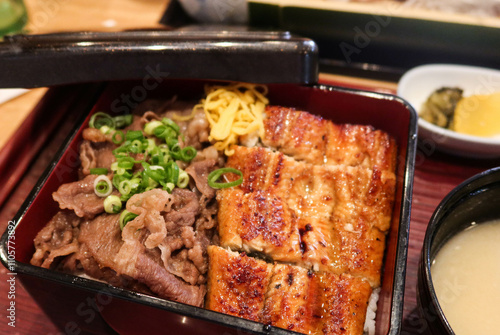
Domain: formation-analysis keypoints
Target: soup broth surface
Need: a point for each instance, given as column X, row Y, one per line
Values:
column 466, row 279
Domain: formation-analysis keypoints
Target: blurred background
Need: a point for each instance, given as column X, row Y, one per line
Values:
column 363, row 44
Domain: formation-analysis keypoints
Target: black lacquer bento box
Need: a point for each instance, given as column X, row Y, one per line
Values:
column 115, row 65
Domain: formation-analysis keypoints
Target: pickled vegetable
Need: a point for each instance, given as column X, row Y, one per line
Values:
column 478, row 115
column 440, row 107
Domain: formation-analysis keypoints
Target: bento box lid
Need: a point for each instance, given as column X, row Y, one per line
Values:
column 67, row 58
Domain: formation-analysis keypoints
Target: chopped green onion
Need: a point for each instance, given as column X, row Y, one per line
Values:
column 125, row 187
column 117, row 180
column 158, row 161
column 122, row 121
column 171, row 124
column 134, row 135
column 169, row 187
column 126, row 217
column 188, row 153
column 151, row 145
column 155, row 172
column 126, row 162
column 183, row 180
column 163, row 148
column 118, row 137
column 155, row 175
column 175, row 151
column 160, row 155
column 165, row 132
column 159, row 130
column 216, row 174
column 102, row 186
column 172, row 142
column 98, row 171
column 117, row 169
column 149, row 183
column 185, row 155
column 165, row 129
column 172, row 170
column 156, row 167
column 128, row 188
column 136, row 146
column 122, row 150
column 101, row 119
column 112, row 204
column 105, row 130
column 151, row 126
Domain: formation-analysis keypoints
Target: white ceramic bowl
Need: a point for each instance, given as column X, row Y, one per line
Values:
column 418, row 83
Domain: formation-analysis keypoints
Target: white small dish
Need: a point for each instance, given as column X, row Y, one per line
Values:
column 417, row 84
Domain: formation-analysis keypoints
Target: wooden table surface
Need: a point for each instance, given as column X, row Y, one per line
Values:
column 435, row 174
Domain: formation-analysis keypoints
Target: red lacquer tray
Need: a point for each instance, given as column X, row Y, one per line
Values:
column 132, row 313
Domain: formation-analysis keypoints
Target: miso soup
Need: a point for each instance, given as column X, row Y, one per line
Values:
column 466, row 279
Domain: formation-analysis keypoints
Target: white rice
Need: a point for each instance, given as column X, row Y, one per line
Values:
column 371, row 312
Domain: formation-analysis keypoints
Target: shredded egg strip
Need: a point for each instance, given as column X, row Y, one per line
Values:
column 233, row 111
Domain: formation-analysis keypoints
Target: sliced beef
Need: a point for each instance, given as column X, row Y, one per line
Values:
column 179, row 253
column 186, row 247
column 57, row 238
column 197, row 129
column 96, row 155
column 137, row 259
column 167, row 285
column 207, row 219
column 148, row 117
column 80, row 197
column 184, row 207
column 101, row 238
column 139, row 121
column 83, row 263
column 148, row 206
column 163, row 251
column 135, row 125
column 199, row 171
column 168, row 220
column 95, row 135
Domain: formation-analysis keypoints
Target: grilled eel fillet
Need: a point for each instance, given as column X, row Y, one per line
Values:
column 325, row 218
column 285, row 296
column 317, row 204
column 237, row 283
column 312, row 139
